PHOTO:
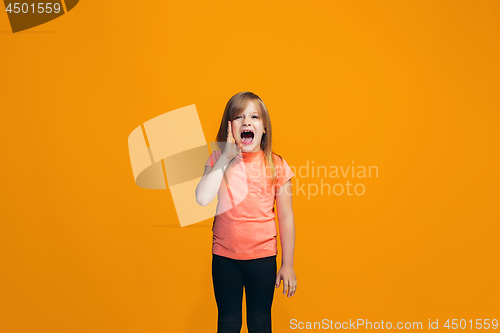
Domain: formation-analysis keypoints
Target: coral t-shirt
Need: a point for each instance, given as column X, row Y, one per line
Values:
column 244, row 225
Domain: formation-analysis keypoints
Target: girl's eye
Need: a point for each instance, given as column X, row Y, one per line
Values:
column 237, row 117
column 256, row 117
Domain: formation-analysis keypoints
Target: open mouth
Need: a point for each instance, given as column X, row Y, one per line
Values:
column 246, row 137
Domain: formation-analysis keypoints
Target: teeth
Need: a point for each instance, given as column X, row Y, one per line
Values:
column 246, row 139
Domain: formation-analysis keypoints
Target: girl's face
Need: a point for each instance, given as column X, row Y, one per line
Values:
column 248, row 129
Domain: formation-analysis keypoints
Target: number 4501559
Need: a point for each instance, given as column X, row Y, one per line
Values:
column 479, row 324
column 40, row 9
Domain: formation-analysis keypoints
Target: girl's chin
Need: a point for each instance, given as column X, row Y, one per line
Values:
column 248, row 147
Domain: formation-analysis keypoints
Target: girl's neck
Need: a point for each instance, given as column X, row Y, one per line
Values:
column 252, row 152
column 248, row 156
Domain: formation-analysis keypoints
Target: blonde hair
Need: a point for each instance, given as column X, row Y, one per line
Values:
column 234, row 107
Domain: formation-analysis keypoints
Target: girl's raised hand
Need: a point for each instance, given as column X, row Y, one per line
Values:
column 231, row 149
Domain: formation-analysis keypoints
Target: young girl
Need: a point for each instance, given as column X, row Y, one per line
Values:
column 248, row 177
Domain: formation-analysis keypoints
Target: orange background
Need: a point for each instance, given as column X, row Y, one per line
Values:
column 409, row 87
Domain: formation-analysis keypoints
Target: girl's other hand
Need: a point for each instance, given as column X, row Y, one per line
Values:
column 287, row 274
column 231, row 149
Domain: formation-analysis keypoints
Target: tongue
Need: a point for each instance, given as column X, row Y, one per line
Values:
column 246, row 140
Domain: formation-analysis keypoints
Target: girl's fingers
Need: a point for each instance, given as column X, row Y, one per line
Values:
column 290, row 290
column 289, row 285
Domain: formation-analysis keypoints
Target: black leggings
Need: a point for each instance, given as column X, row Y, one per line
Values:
column 258, row 276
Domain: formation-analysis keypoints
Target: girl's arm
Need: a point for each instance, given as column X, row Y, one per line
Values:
column 287, row 236
column 210, row 181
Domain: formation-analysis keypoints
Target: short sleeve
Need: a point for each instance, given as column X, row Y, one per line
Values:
column 213, row 158
column 283, row 172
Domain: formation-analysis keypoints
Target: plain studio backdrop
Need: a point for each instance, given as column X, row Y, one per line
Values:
column 411, row 88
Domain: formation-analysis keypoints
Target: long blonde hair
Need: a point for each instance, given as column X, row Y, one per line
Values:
column 236, row 105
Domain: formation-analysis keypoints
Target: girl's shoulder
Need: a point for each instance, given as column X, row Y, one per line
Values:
column 277, row 158
column 279, row 162
column 283, row 170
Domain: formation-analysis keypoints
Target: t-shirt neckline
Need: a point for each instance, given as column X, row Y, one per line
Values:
column 250, row 156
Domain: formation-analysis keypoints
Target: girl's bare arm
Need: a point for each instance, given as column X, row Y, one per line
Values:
column 287, row 236
column 210, row 182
